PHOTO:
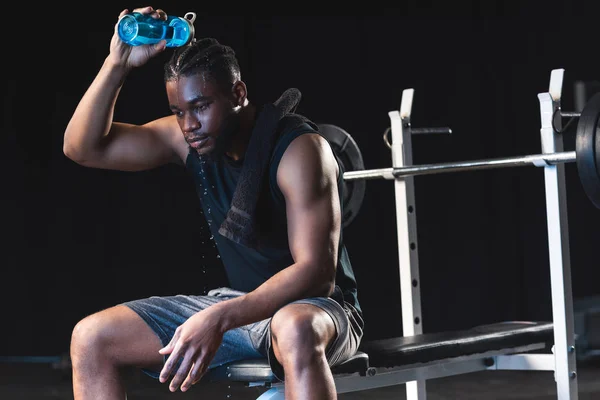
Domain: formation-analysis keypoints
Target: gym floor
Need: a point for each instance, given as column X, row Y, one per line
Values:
column 41, row 381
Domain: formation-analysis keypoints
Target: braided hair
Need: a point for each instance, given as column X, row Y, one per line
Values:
column 217, row 62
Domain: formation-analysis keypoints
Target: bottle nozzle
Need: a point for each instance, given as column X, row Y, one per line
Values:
column 191, row 16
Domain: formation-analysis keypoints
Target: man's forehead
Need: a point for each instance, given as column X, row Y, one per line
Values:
column 190, row 88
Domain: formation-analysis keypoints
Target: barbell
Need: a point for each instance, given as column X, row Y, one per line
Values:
column 586, row 155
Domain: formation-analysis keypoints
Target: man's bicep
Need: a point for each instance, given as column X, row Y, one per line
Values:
column 133, row 148
column 307, row 177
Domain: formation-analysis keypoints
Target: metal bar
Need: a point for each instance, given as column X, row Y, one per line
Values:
column 558, row 246
column 526, row 362
column 384, row 378
column 385, row 173
column 431, row 131
column 403, row 374
column 538, row 160
column 406, row 228
column 570, row 114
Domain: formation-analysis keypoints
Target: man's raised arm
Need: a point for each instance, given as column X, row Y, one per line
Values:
column 91, row 137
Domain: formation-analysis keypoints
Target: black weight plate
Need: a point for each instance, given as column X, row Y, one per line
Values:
column 585, row 148
column 347, row 151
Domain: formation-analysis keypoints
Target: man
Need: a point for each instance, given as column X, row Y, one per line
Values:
column 291, row 294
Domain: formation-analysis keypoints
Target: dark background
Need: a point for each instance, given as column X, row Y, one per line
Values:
column 77, row 240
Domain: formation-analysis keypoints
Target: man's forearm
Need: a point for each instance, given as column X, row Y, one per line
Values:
column 295, row 282
column 93, row 116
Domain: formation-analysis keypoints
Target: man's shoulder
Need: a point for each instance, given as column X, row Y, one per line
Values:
column 295, row 123
column 305, row 146
column 291, row 128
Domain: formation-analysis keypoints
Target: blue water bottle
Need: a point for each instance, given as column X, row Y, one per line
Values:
column 138, row 29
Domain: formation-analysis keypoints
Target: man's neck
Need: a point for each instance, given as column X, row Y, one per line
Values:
column 239, row 144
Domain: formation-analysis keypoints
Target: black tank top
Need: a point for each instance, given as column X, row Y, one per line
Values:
column 246, row 268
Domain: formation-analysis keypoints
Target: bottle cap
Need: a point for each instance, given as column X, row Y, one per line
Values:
column 190, row 17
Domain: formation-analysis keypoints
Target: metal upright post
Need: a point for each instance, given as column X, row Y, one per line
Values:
column 565, row 371
column 407, row 231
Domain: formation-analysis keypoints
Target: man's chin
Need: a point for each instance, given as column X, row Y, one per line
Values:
column 205, row 150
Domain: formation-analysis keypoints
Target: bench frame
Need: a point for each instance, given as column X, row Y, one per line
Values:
column 563, row 360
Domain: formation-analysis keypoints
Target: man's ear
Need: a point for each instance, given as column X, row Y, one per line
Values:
column 239, row 92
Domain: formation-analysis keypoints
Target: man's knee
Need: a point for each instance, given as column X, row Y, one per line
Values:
column 88, row 337
column 301, row 331
column 96, row 335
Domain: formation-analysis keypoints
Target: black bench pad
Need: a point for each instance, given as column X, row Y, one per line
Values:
column 430, row 347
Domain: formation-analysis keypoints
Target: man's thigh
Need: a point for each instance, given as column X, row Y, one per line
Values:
column 164, row 314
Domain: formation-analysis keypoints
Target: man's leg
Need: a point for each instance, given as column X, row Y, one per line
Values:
column 104, row 342
column 301, row 334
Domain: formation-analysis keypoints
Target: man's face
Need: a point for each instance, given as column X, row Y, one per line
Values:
column 204, row 112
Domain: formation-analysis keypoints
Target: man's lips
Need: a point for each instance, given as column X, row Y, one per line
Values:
column 198, row 141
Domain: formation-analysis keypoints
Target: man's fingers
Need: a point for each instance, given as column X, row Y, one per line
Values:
column 169, row 347
column 144, row 10
column 166, row 349
column 161, row 14
column 167, row 369
column 158, row 13
column 194, row 376
column 182, row 373
column 165, row 372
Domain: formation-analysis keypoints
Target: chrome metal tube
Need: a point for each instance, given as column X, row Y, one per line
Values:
column 538, row 160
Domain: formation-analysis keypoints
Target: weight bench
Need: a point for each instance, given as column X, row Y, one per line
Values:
column 393, row 361
column 416, row 357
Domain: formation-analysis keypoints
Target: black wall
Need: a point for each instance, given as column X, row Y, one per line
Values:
column 77, row 240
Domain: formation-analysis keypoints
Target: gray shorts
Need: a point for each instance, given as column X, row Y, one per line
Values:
column 165, row 314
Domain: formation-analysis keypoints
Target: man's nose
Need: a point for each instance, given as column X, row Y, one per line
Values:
column 191, row 123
